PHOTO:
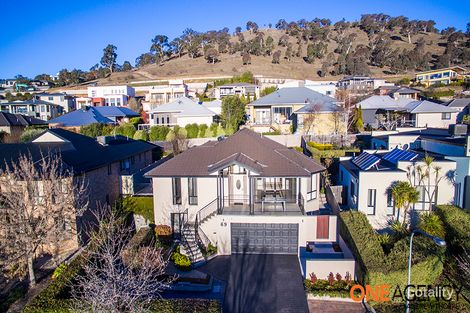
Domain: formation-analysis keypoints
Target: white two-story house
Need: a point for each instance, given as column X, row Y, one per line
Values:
column 368, row 179
column 111, row 95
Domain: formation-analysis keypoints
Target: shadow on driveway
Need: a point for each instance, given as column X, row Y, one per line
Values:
column 260, row 283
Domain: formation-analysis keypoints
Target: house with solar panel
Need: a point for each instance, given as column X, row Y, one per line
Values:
column 368, row 178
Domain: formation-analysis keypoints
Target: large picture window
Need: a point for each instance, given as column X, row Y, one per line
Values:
column 176, row 187
column 192, row 190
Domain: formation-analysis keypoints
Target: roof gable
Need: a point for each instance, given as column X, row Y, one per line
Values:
column 247, row 148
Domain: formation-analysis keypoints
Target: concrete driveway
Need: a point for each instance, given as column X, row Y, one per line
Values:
column 260, row 283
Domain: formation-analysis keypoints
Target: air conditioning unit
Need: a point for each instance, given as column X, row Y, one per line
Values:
column 458, row 129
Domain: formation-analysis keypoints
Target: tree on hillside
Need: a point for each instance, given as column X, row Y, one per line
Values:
column 144, row 59
column 109, row 57
column 126, row 66
column 233, row 112
column 281, row 24
column 177, row 46
column 246, row 58
column 45, row 77
column 316, row 50
column 276, row 57
column 39, row 204
column 268, row 45
column 211, row 55
column 252, row 27
column 159, row 46
column 192, row 41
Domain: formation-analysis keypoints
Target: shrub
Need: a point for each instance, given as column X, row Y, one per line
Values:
column 457, row 224
column 182, row 262
column 136, row 121
column 30, row 134
column 375, row 266
column 158, row 133
column 203, row 130
column 126, row 129
column 192, row 130
column 213, row 129
column 164, row 234
column 141, row 135
column 320, row 146
column 59, row 270
column 96, row 129
column 432, row 224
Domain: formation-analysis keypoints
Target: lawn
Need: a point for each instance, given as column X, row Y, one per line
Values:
column 140, row 205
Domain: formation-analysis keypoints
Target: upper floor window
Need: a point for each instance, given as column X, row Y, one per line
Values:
column 446, row 116
column 371, row 198
column 390, row 202
column 192, row 190
column 176, row 189
column 125, row 164
column 312, row 187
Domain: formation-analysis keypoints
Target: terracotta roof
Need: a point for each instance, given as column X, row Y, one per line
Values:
column 246, row 148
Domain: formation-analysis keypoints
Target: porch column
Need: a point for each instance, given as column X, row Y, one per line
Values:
column 251, row 185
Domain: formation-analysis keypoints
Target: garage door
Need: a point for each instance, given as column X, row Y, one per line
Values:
column 264, row 238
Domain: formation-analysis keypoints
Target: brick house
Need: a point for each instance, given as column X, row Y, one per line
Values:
column 101, row 162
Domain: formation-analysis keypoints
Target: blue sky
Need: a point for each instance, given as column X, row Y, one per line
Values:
column 46, row 36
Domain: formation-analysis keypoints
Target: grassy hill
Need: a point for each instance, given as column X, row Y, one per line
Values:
column 297, row 67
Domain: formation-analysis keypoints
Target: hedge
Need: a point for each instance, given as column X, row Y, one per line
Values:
column 334, row 153
column 54, row 297
column 375, row 266
column 320, row 146
column 160, row 306
column 457, row 224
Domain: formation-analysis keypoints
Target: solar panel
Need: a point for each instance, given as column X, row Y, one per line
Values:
column 399, row 155
column 365, row 161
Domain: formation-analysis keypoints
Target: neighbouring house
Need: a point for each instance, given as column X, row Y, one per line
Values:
column 60, row 98
column 246, row 194
column 452, row 144
column 41, row 109
column 327, row 88
column 441, row 76
column 237, row 89
column 110, row 95
column 181, row 112
column 462, row 105
column 398, row 92
column 214, row 105
column 14, row 124
column 40, row 84
column 287, row 110
column 161, row 94
column 368, row 178
column 360, row 85
column 89, row 115
column 102, row 162
column 82, row 102
column 7, row 83
column 388, row 113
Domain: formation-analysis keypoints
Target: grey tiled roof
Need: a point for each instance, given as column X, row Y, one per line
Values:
column 81, row 153
column 296, row 95
column 183, row 107
column 245, row 147
column 459, row 103
column 9, row 119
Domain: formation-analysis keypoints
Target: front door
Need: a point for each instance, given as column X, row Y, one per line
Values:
column 177, row 223
column 238, row 185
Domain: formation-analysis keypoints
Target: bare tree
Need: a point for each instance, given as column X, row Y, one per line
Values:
column 116, row 277
column 463, row 262
column 39, row 205
column 311, row 117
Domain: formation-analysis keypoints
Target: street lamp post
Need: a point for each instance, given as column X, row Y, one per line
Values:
column 438, row 241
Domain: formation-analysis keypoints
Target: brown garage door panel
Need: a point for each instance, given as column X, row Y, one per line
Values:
column 264, row 238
